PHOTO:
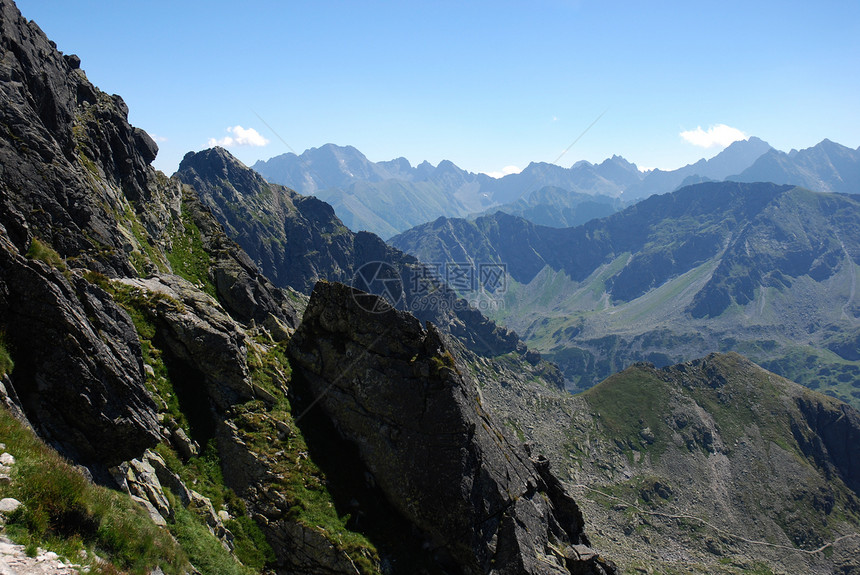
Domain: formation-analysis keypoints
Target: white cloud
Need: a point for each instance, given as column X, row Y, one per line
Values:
column 645, row 170
column 719, row 135
column 240, row 137
column 157, row 138
column 506, row 171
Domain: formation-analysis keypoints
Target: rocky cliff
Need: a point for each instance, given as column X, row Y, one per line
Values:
column 396, row 391
column 78, row 197
column 149, row 349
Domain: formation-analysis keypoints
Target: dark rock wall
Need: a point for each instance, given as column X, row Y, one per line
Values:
column 397, row 392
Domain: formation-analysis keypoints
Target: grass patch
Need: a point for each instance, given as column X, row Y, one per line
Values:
column 187, row 256
column 270, row 431
column 6, row 362
column 63, row 512
column 43, row 252
column 250, row 544
column 626, row 404
column 205, row 551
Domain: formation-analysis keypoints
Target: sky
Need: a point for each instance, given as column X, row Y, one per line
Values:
column 491, row 86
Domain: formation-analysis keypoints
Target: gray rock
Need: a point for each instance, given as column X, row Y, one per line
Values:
column 68, row 330
column 202, row 506
column 185, row 446
column 150, row 509
column 9, row 505
column 167, row 478
column 197, row 331
column 138, row 479
column 396, row 391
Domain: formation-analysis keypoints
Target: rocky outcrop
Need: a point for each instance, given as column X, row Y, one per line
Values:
column 278, row 228
column 197, row 332
column 395, row 391
column 242, row 289
column 146, row 479
column 61, row 140
column 78, row 368
column 834, row 438
column 76, row 176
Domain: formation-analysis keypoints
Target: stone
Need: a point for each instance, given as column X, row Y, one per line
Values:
column 73, row 60
column 138, row 478
column 9, row 505
column 198, row 331
column 73, row 331
column 202, row 506
column 168, row 478
column 7, row 459
column 185, row 446
column 150, row 509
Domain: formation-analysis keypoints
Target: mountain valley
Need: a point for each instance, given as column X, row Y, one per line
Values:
column 765, row 270
column 211, row 373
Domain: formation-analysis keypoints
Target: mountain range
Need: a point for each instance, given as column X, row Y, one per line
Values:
column 167, row 407
column 390, row 197
column 766, row 270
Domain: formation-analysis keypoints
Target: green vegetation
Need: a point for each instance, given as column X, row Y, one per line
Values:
column 205, row 551
column 302, row 483
column 63, row 512
column 441, row 363
column 202, row 472
column 141, row 260
column 43, row 252
column 6, row 363
column 630, row 407
column 250, row 543
column 818, row 369
column 188, row 258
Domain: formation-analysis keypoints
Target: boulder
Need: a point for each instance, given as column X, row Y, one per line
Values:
column 395, row 390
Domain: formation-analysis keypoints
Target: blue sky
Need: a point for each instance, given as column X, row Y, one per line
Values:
column 484, row 84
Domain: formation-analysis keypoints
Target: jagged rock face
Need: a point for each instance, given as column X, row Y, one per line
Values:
column 244, row 292
column 77, row 176
column 834, row 439
column 279, row 228
column 54, row 122
column 287, row 227
column 396, row 391
column 79, row 373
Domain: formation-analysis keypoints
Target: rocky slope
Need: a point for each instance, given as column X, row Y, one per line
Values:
column 485, row 505
column 711, row 466
column 148, row 348
column 769, row 271
column 298, row 240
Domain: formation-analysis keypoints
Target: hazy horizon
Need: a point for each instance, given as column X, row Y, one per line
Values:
column 488, row 86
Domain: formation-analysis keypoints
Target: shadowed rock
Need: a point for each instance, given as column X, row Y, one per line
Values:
column 395, row 390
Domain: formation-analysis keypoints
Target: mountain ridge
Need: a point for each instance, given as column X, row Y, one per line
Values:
column 763, row 269
column 390, row 197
